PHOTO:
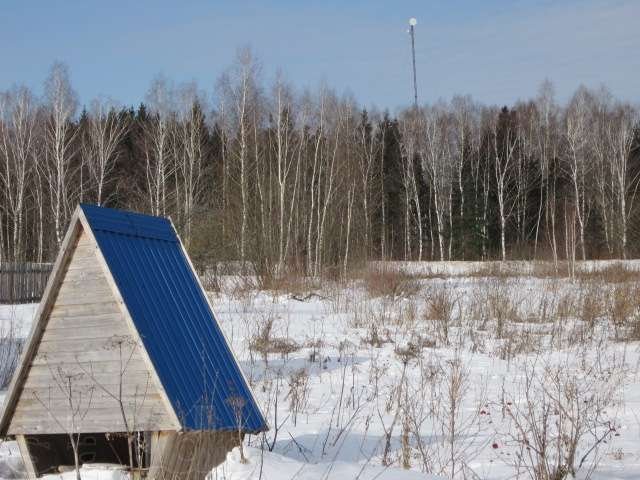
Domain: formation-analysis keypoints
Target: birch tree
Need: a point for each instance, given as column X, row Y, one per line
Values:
column 190, row 146
column 503, row 141
column 547, row 152
column 413, row 125
column 157, row 144
column 18, row 155
column 317, row 127
column 327, row 172
column 285, row 143
column 464, row 116
column 61, row 106
column 239, row 87
column 103, row 135
column 439, row 169
column 620, row 134
column 368, row 149
column 576, row 161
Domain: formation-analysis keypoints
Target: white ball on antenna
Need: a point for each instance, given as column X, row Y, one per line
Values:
column 413, row 22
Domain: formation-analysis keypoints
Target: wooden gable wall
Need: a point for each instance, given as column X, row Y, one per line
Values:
column 88, row 349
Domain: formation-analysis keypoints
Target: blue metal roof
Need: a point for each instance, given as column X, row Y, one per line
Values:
column 185, row 343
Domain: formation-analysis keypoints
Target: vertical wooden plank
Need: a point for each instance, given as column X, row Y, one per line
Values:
column 162, row 443
column 192, row 455
column 26, row 456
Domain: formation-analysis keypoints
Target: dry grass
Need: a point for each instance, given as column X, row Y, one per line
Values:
column 389, row 283
column 288, row 283
column 616, row 273
column 624, row 311
column 276, row 345
column 610, row 272
column 499, row 310
column 265, row 343
column 521, row 319
column 441, row 306
column 375, row 337
column 568, row 306
column 518, row 342
column 503, row 305
column 593, row 307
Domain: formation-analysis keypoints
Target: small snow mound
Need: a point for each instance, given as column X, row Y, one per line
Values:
column 94, row 471
column 264, row 464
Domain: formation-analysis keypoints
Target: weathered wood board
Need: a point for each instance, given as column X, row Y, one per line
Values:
column 88, row 361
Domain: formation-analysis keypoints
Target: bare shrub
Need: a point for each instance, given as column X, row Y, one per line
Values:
column 413, row 348
column 441, row 305
column 624, row 312
column 617, row 272
column 10, row 348
column 503, row 305
column 290, row 282
column 339, row 301
column 519, row 342
column 393, row 404
column 568, row 306
column 477, row 310
column 381, row 282
column 315, row 345
column 242, row 287
column 209, row 278
column 543, row 309
column 593, row 307
column 546, row 270
column 407, row 315
column 298, row 393
column 557, row 419
column 265, row 343
column 374, row 338
column 77, row 397
column 456, row 426
column 418, row 412
column 493, row 270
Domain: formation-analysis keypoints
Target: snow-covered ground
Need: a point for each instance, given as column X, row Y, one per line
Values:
column 465, row 376
column 15, row 320
column 513, row 354
column 510, row 267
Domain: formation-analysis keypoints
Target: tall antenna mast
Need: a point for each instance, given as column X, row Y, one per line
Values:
column 412, row 23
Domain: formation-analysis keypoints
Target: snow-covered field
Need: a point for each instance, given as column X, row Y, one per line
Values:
column 395, row 377
column 510, row 267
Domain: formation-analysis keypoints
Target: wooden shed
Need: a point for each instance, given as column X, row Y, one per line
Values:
column 125, row 362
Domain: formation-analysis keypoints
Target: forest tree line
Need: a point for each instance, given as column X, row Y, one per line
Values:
column 311, row 181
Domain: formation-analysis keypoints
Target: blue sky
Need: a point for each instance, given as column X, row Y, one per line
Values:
column 496, row 50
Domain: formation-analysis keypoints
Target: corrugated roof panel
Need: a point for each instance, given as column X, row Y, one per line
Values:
column 185, row 343
column 129, row 223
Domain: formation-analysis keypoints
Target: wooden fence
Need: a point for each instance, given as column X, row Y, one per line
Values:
column 23, row 282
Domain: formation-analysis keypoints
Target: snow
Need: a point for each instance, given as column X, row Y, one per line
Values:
column 511, row 267
column 331, row 401
column 93, row 472
column 15, row 320
column 11, row 464
column 266, row 465
column 331, row 329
